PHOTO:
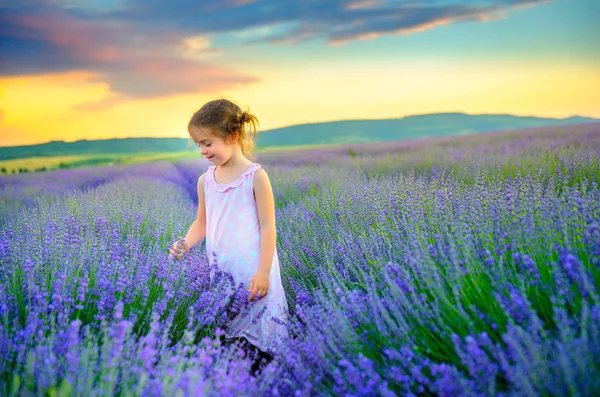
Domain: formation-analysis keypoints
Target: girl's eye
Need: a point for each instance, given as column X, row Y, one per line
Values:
column 208, row 144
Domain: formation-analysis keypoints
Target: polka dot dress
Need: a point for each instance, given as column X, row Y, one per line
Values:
column 233, row 233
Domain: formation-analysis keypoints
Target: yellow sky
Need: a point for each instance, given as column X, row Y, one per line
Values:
column 36, row 109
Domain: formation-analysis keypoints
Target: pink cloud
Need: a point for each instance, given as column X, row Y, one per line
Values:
column 86, row 40
column 135, row 65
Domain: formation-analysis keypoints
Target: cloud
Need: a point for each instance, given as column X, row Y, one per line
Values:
column 358, row 4
column 332, row 20
column 369, row 19
column 411, row 20
column 145, row 77
column 136, row 64
column 153, row 48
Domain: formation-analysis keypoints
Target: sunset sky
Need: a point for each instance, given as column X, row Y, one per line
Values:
column 100, row 69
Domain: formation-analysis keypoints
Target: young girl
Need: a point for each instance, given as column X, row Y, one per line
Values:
column 236, row 214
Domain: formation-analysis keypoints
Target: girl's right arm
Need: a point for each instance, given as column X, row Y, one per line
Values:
column 197, row 230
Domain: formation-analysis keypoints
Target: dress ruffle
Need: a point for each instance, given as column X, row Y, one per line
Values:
column 222, row 188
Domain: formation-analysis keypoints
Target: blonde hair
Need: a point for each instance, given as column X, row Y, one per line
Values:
column 223, row 119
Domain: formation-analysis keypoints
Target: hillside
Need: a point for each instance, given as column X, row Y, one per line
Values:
column 336, row 132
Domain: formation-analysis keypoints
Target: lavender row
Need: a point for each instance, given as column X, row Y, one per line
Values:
column 26, row 190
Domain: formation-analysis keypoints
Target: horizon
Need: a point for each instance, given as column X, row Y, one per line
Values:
column 303, row 124
column 74, row 70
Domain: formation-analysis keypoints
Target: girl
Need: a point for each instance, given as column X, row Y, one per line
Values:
column 236, row 214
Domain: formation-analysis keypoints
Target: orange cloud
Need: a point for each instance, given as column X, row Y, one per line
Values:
column 133, row 64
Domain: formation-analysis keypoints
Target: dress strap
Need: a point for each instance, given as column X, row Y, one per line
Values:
column 210, row 173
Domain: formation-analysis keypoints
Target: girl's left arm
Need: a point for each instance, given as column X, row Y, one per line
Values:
column 265, row 204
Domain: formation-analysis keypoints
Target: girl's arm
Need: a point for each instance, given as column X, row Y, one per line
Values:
column 265, row 204
column 197, row 230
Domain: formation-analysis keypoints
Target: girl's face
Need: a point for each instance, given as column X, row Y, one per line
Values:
column 215, row 149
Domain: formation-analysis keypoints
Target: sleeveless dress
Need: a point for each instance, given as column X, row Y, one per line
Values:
column 233, row 233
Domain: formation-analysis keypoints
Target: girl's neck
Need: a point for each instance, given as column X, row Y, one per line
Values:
column 238, row 160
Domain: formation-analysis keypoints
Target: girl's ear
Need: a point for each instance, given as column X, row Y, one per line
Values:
column 233, row 138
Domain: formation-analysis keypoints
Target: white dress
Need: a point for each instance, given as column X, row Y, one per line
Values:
column 233, row 233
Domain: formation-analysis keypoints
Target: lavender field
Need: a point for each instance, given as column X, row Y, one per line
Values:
column 465, row 266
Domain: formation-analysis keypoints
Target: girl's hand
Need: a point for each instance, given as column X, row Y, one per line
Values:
column 259, row 285
column 179, row 248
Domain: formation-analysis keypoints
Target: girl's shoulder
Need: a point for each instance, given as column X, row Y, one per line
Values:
column 202, row 177
column 201, row 182
column 261, row 179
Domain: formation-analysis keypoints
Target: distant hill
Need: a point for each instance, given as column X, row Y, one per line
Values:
column 98, row 147
column 410, row 127
column 335, row 132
